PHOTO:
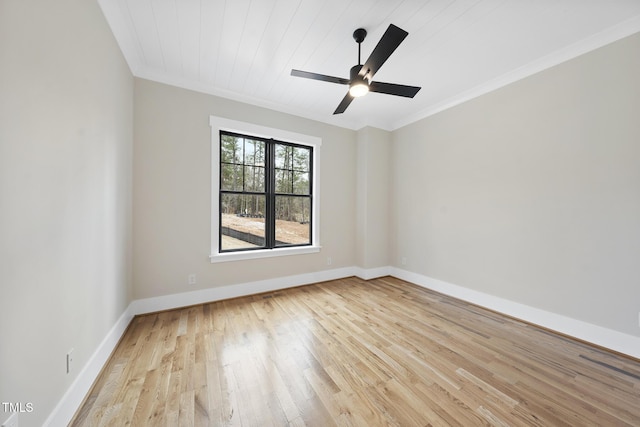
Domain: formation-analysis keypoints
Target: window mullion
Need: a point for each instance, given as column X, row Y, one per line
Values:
column 244, row 150
column 269, row 220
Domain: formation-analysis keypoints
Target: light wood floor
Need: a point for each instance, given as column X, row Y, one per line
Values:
column 354, row 352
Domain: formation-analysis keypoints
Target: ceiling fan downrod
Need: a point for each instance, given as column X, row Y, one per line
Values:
column 359, row 36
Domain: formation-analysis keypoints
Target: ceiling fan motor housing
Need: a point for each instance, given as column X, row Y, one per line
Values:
column 354, row 77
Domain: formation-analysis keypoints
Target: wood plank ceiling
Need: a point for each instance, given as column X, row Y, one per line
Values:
column 456, row 49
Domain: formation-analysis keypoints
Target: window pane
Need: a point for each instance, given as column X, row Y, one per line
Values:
column 284, row 156
column 301, row 183
column 284, row 181
column 231, row 178
column 293, row 220
column 254, row 178
column 301, row 159
column 254, row 152
column 242, row 221
column 231, row 149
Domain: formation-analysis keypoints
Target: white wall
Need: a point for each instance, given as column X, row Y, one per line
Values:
column 172, row 193
column 66, row 113
column 532, row 193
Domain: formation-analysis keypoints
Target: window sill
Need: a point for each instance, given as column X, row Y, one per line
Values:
column 262, row 253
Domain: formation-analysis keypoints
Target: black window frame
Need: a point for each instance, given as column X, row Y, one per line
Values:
column 270, row 192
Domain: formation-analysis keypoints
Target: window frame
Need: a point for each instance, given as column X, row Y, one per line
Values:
column 263, row 132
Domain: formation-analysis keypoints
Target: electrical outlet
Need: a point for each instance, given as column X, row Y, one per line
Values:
column 329, row 260
column 69, row 361
column 12, row 421
column 191, row 279
column 403, row 261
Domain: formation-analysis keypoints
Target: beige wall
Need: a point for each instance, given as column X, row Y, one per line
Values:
column 532, row 192
column 373, row 185
column 66, row 127
column 172, row 193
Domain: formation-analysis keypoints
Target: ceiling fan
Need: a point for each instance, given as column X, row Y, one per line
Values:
column 361, row 76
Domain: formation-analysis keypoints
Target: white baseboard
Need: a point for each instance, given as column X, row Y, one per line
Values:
column 72, row 399
column 68, row 405
column 371, row 273
column 603, row 337
column 184, row 299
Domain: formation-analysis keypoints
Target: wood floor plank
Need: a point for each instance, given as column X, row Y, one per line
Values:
column 351, row 352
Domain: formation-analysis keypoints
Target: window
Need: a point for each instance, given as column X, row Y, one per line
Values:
column 264, row 186
column 265, row 193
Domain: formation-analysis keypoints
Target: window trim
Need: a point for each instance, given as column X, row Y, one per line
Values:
column 222, row 124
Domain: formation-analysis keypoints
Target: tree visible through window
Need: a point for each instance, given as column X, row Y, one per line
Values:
column 265, row 193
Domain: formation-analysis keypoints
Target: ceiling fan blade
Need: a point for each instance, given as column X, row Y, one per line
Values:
column 344, row 104
column 389, row 42
column 322, row 77
column 394, row 89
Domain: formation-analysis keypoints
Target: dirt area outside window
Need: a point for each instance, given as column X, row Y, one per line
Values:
column 289, row 232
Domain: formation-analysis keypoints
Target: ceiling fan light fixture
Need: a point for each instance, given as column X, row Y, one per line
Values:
column 358, row 89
